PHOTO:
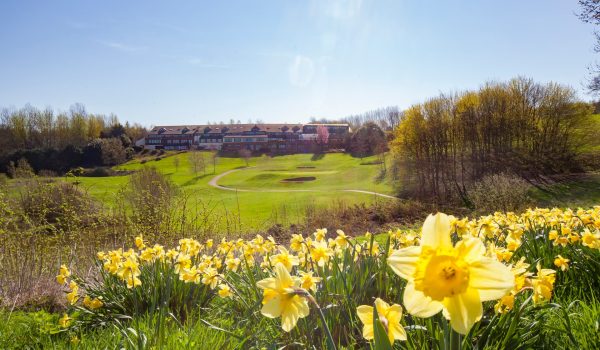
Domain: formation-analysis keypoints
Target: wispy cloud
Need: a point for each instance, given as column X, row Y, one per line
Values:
column 198, row 62
column 337, row 9
column 123, row 47
column 301, row 71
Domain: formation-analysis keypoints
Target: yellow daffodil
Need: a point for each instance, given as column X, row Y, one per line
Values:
column 92, row 304
column 320, row 234
column 139, row 242
column 281, row 298
column 63, row 274
column 390, row 317
column 224, row 291
column 308, row 282
column 232, row 264
column 543, row 284
column 191, row 275
column 341, row 240
column 505, row 304
column 65, row 321
column 73, row 295
column 455, row 279
column 561, row 263
column 296, row 242
column 285, row 258
column 320, row 252
column 210, row 277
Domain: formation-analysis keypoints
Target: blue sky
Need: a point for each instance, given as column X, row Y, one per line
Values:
column 161, row 62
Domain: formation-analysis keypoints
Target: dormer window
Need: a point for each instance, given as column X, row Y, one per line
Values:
column 295, row 128
column 225, row 129
column 285, row 128
column 255, row 128
column 161, row 130
column 207, row 129
column 184, row 130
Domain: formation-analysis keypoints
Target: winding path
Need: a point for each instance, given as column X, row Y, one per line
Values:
column 214, row 182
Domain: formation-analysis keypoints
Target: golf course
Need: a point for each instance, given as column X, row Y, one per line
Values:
column 265, row 190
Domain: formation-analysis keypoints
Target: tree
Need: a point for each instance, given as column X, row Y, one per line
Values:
column 245, row 154
column 322, row 136
column 197, row 163
column 446, row 144
column 590, row 13
column 23, row 169
column 214, row 156
column 367, row 140
column 176, row 163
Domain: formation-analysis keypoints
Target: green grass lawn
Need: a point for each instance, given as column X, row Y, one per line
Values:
column 580, row 191
column 258, row 210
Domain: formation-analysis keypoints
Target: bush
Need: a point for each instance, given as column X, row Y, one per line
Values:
column 150, row 197
column 57, row 205
column 47, row 173
column 99, row 172
column 500, row 192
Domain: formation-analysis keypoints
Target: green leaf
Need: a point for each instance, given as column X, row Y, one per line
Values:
column 382, row 342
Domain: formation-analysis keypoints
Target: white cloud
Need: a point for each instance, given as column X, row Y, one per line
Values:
column 338, row 9
column 301, row 71
column 202, row 64
column 123, row 47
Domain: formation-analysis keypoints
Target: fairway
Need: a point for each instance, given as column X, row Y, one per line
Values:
column 261, row 198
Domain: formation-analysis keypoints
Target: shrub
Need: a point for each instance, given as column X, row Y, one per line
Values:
column 99, row 172
column 149, row 196
column 500, row 192
column 47, row 173
column 57, row 205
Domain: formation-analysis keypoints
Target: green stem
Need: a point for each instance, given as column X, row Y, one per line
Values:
column 330, row 341
column 454, row 340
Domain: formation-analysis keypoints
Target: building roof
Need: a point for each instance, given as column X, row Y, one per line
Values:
column 224, row 128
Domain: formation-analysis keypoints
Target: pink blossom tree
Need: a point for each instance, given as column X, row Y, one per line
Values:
column 322, row 136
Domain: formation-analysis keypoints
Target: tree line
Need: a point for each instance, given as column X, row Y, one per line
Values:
column 59, row 141
column 445, row 144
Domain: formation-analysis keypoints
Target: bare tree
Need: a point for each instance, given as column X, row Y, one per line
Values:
column 245, row 154
column 197, row 162
column 176, row 163
column 214, row 156
column 590, row 13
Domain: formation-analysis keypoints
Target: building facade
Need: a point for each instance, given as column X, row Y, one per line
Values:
column 257, row 138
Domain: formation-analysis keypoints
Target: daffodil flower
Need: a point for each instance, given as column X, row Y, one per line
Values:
column 389, row 316
column 455, row 279
column 281, row 298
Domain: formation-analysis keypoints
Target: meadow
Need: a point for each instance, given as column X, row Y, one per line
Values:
column 263, row 199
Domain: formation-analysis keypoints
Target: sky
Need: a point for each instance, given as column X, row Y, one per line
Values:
column 191, row 62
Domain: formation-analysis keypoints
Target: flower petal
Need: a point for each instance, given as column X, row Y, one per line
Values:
column 272, row 308
column 471, row 249
column 295, row 309
column 417, row 304
column 283, row 276
column 368, row 332
column 396, row 332
column 464, row 310
column 267, row 283
column 365, row 313
column 404, row 261
column 436, row 231
column 381, row 306
column 491, row 278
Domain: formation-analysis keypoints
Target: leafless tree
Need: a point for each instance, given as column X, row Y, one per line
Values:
column 245, row 154
column 197, row 162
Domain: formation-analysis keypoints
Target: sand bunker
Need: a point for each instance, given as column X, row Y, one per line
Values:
column 300, row 179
